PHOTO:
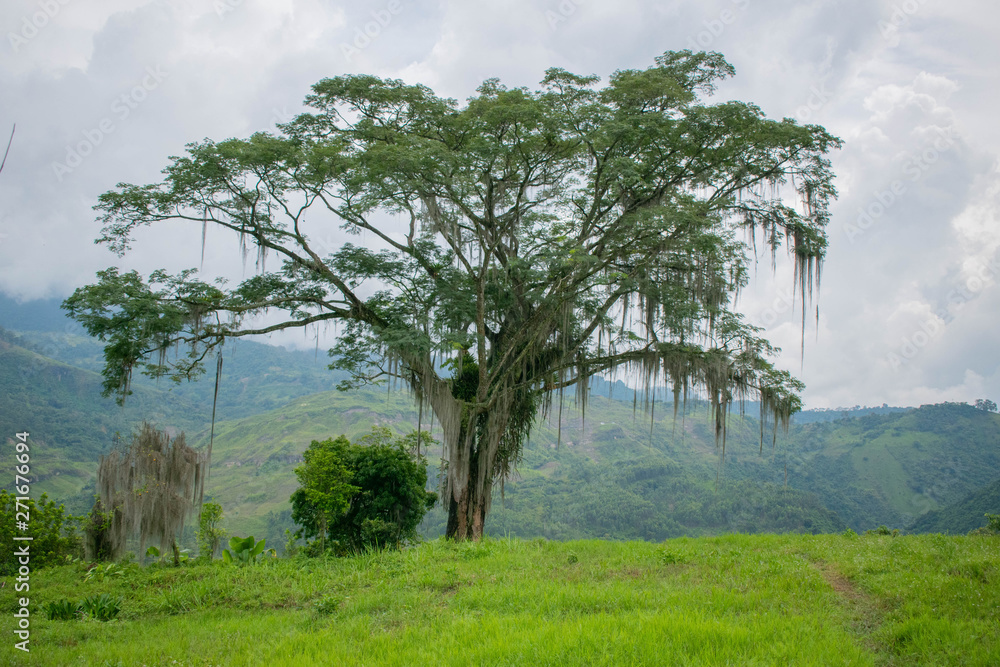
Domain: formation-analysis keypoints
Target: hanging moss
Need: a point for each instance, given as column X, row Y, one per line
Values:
column 146, row 489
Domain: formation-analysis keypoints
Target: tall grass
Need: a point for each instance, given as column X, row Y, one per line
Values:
column 741, row 600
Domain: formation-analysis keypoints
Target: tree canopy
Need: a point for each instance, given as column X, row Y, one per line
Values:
column 533, row 238
column 325, row 488
column 378, row 485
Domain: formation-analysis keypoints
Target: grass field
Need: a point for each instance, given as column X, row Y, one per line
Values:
column 733, row 600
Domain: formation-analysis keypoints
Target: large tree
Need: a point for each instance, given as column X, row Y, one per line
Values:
column 531, row 238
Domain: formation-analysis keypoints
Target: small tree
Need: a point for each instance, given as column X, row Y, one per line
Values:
column 52, row 531
column 210, row 533
column 986, row 404
column 388, row 500
column 325, row 489
column 148, row 487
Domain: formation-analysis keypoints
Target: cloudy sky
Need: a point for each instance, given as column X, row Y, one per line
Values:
column 909, row 306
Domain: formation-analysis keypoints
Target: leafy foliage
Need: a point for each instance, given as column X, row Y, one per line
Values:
column 246, row 551
column 181, row 555
column 210, row 531
column 62, row 610
column 327, row 604
column 53, row 533
column 986, row 404
column 386, row 500
column 106, row 571
column 325, row 490
column 551, row 234
column 103, row 607
column 992, row 526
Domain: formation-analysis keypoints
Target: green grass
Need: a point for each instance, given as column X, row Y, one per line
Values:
column 739, row 600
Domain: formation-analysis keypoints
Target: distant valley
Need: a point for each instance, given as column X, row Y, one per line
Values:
column 621, row 473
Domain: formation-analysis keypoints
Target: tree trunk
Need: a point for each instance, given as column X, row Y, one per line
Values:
column 471, row 488
column 469, row 485
column 467, row 514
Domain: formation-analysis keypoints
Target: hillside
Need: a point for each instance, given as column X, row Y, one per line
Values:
column 52, row 389
column 621, row 473
column 257, row 377
column 961, row 517
column 624, row 475
column 70, row 424
column 608, row 477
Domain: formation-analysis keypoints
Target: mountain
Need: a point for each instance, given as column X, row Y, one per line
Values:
column 255, row 377
column 961, row 517
column 625, row 474
column 51, row 388
column 603, row 476
column 829, row 415
column 70, row 424
column 621, row 472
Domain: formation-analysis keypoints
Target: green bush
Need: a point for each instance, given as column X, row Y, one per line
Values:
column 63, row 610
column 102, row 607
column 368, row 495
column 53, row 532
column 246, row 551
column 991, row 528
column 327, row 604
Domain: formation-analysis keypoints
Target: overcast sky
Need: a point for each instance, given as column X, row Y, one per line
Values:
column 909, row 306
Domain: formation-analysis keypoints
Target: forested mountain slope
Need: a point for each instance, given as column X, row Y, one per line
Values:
column 622, row 472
